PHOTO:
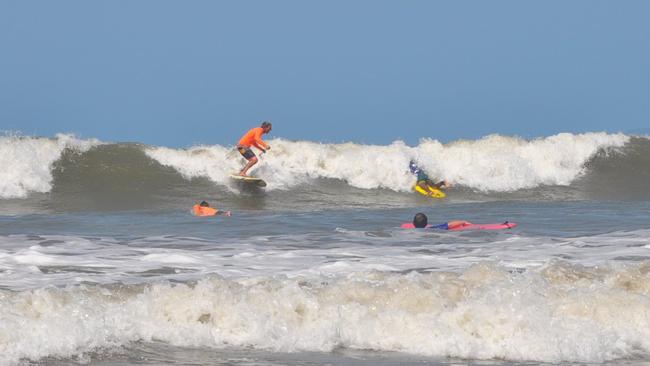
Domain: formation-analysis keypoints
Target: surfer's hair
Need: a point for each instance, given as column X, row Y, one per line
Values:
column 266, row 124
column 204, row 204
column 420, row 220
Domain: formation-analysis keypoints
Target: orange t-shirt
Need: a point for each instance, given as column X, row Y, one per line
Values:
column 254, row 138
column 204, row 211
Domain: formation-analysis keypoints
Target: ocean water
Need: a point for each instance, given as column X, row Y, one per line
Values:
column 101, row 262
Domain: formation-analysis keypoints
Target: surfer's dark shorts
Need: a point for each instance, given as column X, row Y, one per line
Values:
column 246, row 152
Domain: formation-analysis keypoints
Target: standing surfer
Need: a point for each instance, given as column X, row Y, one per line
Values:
column 253, row 138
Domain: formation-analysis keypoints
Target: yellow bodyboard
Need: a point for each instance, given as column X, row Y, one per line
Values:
column 430, row 192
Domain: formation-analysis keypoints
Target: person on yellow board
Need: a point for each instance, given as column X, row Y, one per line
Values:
column 253, row 138
column 424, row 184
column 204, row 209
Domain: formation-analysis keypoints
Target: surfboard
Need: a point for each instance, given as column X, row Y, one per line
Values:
column 259, row 182
column 469, row 226
column 432, row 192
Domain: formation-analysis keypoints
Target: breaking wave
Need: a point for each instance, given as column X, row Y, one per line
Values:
column 556, row 313
column 27, row 162
column 84, row 173
column 493, row 163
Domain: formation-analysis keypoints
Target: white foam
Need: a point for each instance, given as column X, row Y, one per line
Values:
column 33, row 257
column 27, row 161
column 213, row 162
column 556, row 313
column 525, row 305
column 493, row 163
column 502, row 163
column 169, row 258
column 109, row 261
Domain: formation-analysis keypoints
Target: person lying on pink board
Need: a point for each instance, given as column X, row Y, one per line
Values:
column 420, row 221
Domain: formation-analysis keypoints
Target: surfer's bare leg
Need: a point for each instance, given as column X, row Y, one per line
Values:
column 249, row 165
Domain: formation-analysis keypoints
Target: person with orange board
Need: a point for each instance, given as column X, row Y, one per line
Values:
column 204, row 209
column 253, row 138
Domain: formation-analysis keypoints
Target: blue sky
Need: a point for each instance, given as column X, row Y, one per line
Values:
column 178, row 73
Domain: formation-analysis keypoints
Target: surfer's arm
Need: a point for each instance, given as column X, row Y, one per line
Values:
column 259, row 143
column 440, row 185
column 261, row 148
column 222, row 212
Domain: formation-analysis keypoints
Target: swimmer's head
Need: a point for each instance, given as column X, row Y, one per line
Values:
column 420, row 220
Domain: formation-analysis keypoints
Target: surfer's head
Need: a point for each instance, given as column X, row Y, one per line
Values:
column 413, row 167
column 266, row 125
column 204, row 204
column 420, row 220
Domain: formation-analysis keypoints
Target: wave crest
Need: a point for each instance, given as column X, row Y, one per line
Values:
column 493, row 163
column 78, row 171
column 27, row 162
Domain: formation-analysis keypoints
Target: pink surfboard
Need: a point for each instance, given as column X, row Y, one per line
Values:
column 465, row 225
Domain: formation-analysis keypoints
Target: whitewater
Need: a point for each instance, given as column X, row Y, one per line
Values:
column 493, row 163
column 101, row 262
